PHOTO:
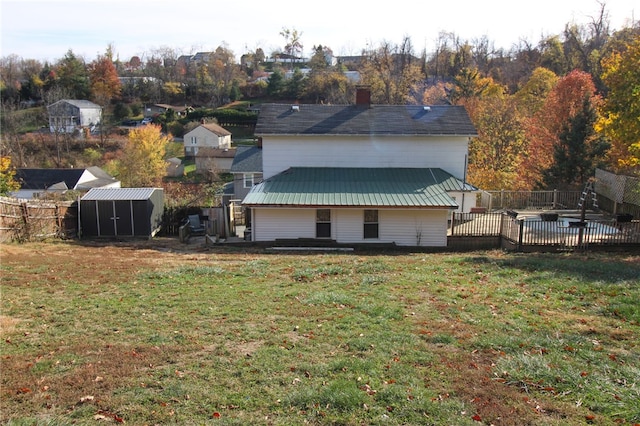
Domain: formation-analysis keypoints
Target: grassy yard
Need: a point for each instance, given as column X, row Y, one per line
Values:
column 150, row 334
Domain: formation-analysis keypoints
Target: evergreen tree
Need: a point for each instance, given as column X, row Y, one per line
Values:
column 276, row 84
column 578, row 152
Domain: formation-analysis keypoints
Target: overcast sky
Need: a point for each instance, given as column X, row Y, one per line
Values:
column 47, row 29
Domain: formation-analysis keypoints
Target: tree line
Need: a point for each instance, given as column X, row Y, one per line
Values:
column 547, row 114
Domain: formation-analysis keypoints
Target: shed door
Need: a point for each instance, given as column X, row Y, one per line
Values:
column 106, row 222
column 124, row 220
column 115, row 218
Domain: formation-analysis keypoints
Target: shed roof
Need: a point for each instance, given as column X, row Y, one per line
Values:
column 110, row 194
column 248, row 159
column 357, row 187
column 409, row 120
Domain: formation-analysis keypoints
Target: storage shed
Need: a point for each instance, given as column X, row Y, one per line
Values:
column 121, row 212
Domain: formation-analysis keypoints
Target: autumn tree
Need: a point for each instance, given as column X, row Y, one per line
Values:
column 318, row 60
column 544, row 128
column 532, row 95
column 621, row 109
column 495, row 155
column 393, row 73
column 103, row 77
column 142, row 162
column 7, row 176
column 328, row 86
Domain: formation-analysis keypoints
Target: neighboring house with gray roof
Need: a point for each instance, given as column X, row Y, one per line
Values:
column 35, row 183
column 361, row 173
column 69, row 115
column 246, row 169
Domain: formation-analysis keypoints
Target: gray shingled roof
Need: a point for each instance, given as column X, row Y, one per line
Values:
column 45, row 178
column 80, row 103
column 357, row 187
column 248, row 159
column 283, row 119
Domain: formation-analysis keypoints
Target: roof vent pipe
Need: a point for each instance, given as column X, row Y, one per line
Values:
column 426, row 108
column 295, row 107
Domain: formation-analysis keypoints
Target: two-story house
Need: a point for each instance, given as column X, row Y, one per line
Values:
column 69, row 115
column 361, row 173
column 210, row 145
column 206, row 135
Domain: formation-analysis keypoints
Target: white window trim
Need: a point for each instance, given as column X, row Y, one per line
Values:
column 248, row 177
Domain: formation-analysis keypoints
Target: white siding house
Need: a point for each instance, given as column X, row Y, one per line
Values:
column 361, row 173
column 69, row 115
column 209, row 135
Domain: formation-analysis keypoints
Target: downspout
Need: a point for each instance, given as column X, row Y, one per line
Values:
column 464, row 178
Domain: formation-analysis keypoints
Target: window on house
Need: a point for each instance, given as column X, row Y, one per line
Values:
column 323, row 223
column 370, row 224
column 194, row 140
column 248, row 180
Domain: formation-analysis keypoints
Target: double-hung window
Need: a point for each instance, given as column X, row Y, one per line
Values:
column 323, row 223
column 371, row 224
column 248, row 180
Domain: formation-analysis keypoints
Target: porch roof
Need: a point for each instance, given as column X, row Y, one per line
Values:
column 357, row 187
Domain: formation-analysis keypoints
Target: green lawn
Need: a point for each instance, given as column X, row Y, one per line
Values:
column 150, row 336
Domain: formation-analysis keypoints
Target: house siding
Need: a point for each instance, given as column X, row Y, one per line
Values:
column 271, row 224
column 466, row 200
column 401, row 227
column 204, row 138
column 238, row 184
column 414, row 227
column 65, row 117
column 446, row 152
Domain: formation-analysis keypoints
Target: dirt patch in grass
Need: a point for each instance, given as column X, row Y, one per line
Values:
column 7, row 324
column 495, row 401
column 56, row 381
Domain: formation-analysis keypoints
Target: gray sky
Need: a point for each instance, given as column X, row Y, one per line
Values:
column 47, row 29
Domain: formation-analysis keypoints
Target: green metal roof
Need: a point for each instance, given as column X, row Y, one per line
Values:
column 357, row 187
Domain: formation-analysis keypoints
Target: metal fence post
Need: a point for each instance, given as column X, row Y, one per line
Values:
column 520, row 232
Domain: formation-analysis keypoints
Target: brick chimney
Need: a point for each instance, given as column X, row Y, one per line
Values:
column 363, row 96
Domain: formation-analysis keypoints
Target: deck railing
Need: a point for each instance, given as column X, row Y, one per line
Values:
column 538, row 200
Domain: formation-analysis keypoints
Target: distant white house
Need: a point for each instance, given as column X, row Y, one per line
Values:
column 69, row 115
column 206, row 135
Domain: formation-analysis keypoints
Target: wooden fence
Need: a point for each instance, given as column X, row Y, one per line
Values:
column 554, row 233
column 35, row 220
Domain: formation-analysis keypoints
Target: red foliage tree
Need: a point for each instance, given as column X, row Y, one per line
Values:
column 543, row 129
